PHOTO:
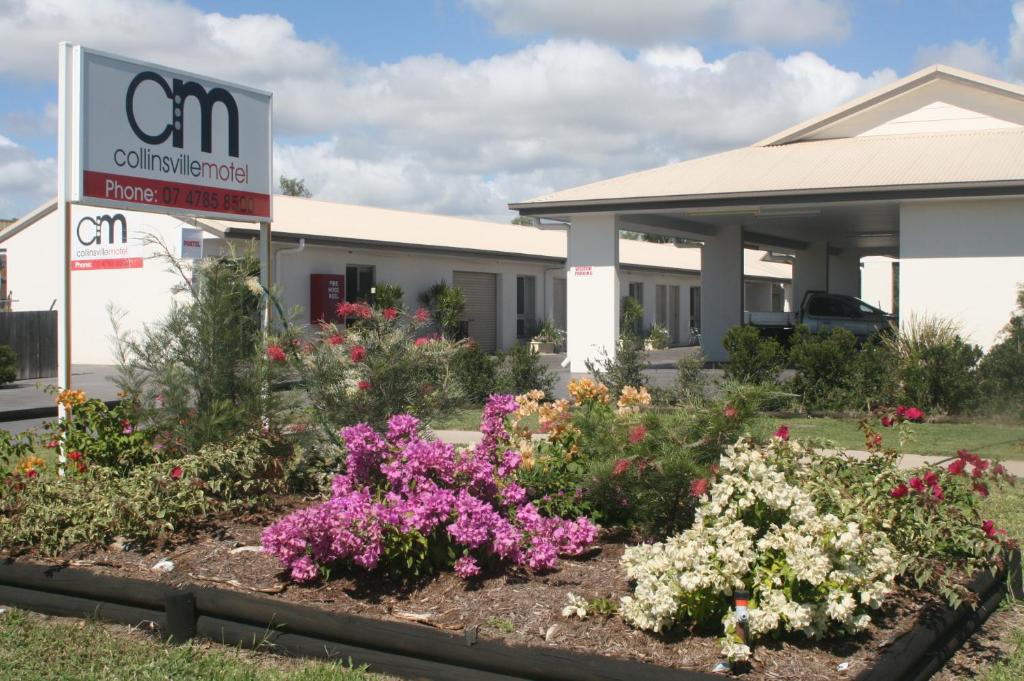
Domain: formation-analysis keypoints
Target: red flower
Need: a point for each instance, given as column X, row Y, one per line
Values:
column 967, row 456
column 358, row 353
column 698, row 487
column 981, row 488
column 730, row 412
column 898, row 491
column 32, row 473
column 75, row 456
column 914, row 414
column 275, row 353
column 877, row 441
column 989, row 527
column 981, row 464
column 637, row 434
column 916, row 484
column 363, row 384
column 176, row 473
column 357, row 310
column 887, row 422
column 422, row 315
column 937, row 492
column 390, row 313
column 52, row 444
column 783, row 433
column 931, row 478
column 336, row 339
column 81, row 467
column 999, row 469
column 901, row 410
column 620, row 467
column 957, row 467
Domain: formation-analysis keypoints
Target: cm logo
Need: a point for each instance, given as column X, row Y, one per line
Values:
column 93, row 229
column 177, row 94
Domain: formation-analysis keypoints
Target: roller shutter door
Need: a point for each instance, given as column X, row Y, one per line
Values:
column 481, row 292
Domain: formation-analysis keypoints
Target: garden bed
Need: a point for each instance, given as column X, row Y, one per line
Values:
column 515, row 608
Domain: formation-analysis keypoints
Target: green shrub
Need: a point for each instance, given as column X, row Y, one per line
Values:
column 825, row 364
column 630, row 317
column 475, row 372
column 626, row 368
column 1001, row 371
column 658, row 337
column 874, row 383
column 689, row 386
column 388, row 295
column 8, row 365
column 93, row 503
column 752, row 357
column 521, row 370
column 200, row 374
column 447, row 304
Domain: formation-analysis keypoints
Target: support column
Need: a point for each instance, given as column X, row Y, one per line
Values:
column 844, row 274
column 592, row 289
column 721, row 289
column 810, row 271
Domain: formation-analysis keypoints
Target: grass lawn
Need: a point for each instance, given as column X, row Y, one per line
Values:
column 990, row 440
column 33, row 647
column 1006, row 507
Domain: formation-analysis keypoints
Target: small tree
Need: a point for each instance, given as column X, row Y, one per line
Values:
column 752, row 357
column 294, row 186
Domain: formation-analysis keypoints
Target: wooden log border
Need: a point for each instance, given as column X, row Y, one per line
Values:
column 415, row 651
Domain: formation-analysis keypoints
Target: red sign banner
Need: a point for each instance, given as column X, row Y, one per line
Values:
column 107, row 264
column 187, row 197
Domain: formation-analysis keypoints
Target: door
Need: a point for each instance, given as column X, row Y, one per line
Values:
column 560, row 304
column 480, row 290
column 673, row 314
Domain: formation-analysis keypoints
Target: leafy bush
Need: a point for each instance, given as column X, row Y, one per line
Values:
column 388, row 295
column 447, row 304
column 407, row 506
column 94, row 502
column 378, row 366
column 631, row 317
column 658, row 337
column 625, row 369
column 690, row 383
column 825, row 364
column 8, row 365
column 937, row 367
column 521, row 370
column 475, row 372
column 752, row 357
column 757, row 530
column 1001, row 371
column 549, row 333
column 200, row 374
column 873, row 383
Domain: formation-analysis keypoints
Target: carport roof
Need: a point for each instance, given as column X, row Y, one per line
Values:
column 793, row 166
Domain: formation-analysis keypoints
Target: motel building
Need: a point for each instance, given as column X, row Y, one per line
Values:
column 928, row 171
column 513, row 276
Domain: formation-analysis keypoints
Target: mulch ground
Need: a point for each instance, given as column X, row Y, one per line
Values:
column 516, row 607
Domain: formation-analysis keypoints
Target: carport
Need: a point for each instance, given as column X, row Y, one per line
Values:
column 929, row 169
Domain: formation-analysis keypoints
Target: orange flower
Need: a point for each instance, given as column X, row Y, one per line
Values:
column 70, row 398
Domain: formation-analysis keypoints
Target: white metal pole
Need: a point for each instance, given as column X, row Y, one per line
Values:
column 65, row 128
column 265, row 274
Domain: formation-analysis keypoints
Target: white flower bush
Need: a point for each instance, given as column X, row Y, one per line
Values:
column 757, row 531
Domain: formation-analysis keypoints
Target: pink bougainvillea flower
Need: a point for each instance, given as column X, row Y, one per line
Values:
column 358, row 353
column 637, row 434
column 466, row 567
column 698, row 487
column 981, row 488
column 363, row 384
column 275, row 353
column 730, row 412
column 930, row 478
column 887, row 422
column 989, row 527
column 783, row 433
column 901, row 410
column 937, row 492
column 914, row 414
column 957, row 467
column 421, row 315
column 390, row 313
column 620, row 467
column 899, row 491
column 75, row 456
column 176, row 473
column 916, row 484
column 981, row 464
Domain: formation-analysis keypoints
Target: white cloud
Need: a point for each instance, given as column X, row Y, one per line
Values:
column 1016, row 58
column 431, row 133
column 647, row 22
column 26, row 181
column 977, row 57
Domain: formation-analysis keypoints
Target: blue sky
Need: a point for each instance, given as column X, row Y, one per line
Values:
column 460, row 106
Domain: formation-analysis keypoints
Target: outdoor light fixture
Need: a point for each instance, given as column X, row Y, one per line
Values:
column 724, row 210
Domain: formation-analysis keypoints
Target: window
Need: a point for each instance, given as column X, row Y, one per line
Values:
column 359, row 283
column 695, row 307
column 636, row 291
column 778, row 297
column 526, row 306
column 661, row 305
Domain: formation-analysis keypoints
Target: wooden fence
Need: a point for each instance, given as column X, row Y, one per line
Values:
column 33, row 337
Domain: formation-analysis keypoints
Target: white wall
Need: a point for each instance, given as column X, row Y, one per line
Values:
column 844, row 274
column 592, row 289
column 810, row 271
column 143, row 294
column 876, row 282
column 721, row 295
column 962, row 259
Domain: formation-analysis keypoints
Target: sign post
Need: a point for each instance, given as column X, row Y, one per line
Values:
column 139, row 136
